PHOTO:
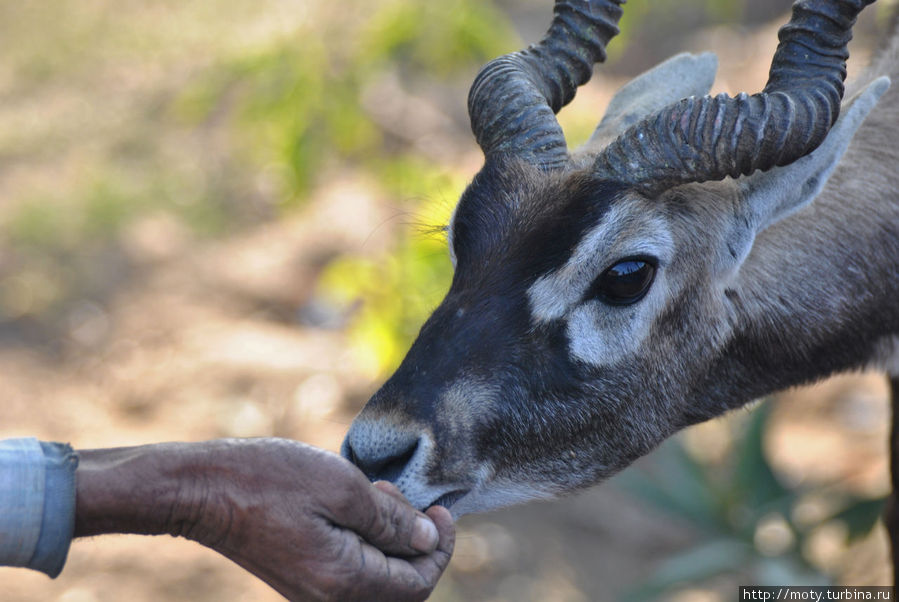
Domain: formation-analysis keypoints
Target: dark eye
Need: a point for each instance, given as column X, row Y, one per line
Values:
column 625, row 282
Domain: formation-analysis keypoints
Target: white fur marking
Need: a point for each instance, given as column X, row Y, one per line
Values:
column 498, row 494
column 601, row 334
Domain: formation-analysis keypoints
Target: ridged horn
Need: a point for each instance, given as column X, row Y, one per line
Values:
column 709, row 138
column 513, row 100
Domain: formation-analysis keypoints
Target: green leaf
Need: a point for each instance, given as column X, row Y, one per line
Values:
column 755, row 483
column 860, row 517
column 785, row 570
column 679, row 486
column 694, row 565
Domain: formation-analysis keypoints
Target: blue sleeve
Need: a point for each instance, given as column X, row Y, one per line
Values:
column 37, row 503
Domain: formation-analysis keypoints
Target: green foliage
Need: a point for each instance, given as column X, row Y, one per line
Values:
column 299, row 101
column 704, row 561
column 662, row 13
column 731, row 506
column 51, row 226
column 36, row 224
column 299, row 108
column 289, row 107
column 396, row 292
column 860, row 517
column 437, row 38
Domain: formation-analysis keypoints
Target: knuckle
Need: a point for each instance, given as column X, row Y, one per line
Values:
column 339, row 578
column 348, row 498
column 421, row 592
column 331, row 588
column 396, row 522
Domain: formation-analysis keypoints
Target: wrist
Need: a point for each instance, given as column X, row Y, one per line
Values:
column 135, row 490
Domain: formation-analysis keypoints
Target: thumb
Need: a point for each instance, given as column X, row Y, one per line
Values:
column 388, row 522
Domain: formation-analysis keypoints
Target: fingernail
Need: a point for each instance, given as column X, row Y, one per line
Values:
column 424, row 535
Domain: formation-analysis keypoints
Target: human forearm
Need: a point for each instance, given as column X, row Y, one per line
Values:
column 143, row 489
column 304, row 520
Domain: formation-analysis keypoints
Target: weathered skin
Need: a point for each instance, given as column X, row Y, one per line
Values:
column 523, row 384
column 303, row 520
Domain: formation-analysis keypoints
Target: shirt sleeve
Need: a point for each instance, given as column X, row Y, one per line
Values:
column 37, row 503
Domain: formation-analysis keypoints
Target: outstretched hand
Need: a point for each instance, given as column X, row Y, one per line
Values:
column 303, row 520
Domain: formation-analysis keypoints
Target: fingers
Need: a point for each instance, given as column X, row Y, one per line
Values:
column 337, row 536
column 390, row 578
column 390, row 489
column 424, row 537
column 383, row 518
column 399, row 528
column 443, row 520
column 440, row 516
column 422, row 573
column 446, row 529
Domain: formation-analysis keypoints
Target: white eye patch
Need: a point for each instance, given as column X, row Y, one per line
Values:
column 602, row 334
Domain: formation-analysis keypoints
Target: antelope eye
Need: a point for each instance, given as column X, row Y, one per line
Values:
column 625, row 282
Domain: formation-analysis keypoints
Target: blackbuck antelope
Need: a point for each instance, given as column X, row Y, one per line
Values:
column 699, row 252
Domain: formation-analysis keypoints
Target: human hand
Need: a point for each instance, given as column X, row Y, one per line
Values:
column 303, row 520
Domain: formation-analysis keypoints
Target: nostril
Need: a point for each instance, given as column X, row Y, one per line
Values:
column 391, row 468
column 383, row 459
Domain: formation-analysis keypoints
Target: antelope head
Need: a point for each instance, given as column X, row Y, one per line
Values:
column 605, row 299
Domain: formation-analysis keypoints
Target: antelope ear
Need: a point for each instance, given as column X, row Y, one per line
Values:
column 768, row 197
column 679, row 77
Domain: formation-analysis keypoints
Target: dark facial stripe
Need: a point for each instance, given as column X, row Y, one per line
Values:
column 512, row 222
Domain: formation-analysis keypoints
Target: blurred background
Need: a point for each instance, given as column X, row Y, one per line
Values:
column 224, row 220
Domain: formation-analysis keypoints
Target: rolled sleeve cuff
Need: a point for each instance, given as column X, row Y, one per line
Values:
column 37, row 504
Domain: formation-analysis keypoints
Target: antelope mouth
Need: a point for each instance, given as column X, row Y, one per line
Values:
column 447, row 500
